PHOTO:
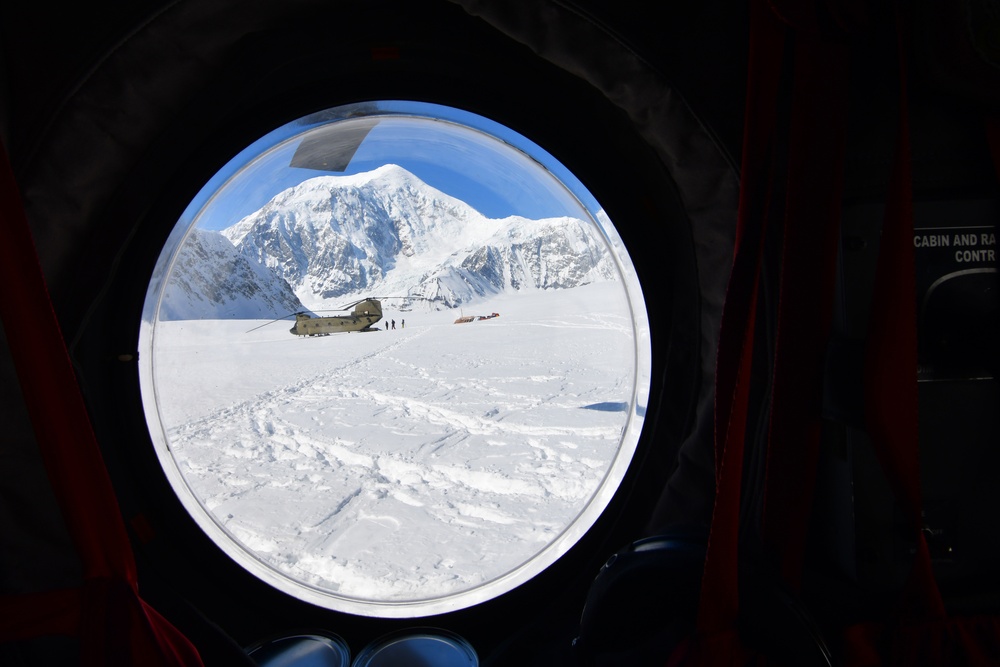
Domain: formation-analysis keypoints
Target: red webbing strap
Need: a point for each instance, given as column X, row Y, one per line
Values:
column 814, row 172
column 111, row 620
column 891, row 353
column 923, row 633
column 816, row 149
column 718, row 642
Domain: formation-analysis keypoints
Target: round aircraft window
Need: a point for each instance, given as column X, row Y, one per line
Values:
column 394, row 359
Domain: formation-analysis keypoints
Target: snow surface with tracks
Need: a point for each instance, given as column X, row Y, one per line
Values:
column 401, row 464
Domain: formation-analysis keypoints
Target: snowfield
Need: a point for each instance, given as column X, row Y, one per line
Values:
column 408, row 464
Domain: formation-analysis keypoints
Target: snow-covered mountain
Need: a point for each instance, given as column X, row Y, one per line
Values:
column 385, row 232
column 211, row 280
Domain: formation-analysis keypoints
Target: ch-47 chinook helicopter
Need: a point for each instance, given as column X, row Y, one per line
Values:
column 366, row 313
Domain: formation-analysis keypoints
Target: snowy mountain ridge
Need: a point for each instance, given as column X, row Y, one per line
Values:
column 211, row 280
column 332, row 238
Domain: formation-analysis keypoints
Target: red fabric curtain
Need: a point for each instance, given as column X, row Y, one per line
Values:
column 114, row 625
column 803, row 167
column 790, row 39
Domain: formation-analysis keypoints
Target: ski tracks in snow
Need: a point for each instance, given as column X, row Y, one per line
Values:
column 398, row 470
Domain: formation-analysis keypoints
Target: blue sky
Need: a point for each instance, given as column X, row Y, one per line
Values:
column 496, row 171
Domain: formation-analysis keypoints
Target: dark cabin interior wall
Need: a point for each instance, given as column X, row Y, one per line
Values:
column 56, row 72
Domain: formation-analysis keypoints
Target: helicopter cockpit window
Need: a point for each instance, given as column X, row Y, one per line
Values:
column 394, row 359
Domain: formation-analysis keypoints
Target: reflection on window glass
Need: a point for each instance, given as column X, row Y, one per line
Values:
column 395, row 359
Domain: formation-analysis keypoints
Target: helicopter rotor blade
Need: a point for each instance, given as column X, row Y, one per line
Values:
column 351, row 305
column 377, row 298
column 271, row 322
column 407, row 298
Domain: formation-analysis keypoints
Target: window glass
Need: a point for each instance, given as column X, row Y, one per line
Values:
column 394, row 359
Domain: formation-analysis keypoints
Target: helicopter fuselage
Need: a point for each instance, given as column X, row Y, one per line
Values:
column 365, row 314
